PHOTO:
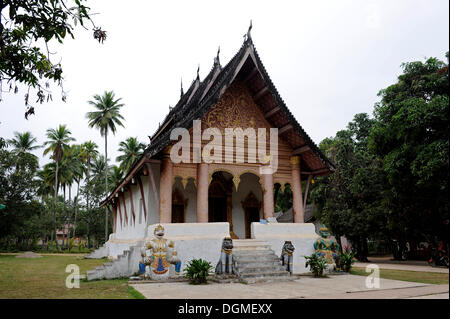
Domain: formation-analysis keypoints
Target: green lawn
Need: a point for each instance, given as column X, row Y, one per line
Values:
column 46, row 278
column 407, row 275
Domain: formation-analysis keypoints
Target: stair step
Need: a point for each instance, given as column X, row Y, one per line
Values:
column 256, row 263
column 258, row 269
column 250, row 248
column 265, row 274
column 270, row 279
column 253, row 253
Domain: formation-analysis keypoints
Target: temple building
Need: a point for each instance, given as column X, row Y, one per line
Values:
column 235, row 196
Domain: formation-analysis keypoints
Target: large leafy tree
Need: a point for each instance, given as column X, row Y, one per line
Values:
column 106, row 118
column 26, row 29
column 349, row 200
column 131, row 151
column 58, row 142
column 17, row 190
column 411, row 136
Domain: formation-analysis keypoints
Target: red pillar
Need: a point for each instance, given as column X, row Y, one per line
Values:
column 297, row 201
column 165, row 195
column 268, row 203
column 202, row 193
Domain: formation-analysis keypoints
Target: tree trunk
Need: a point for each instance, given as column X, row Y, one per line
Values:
column 338, row 239
column 69, row 217
column 76, row 210
column 54, row 212
column 88, row 236
column 64, row 244
column 106, row 183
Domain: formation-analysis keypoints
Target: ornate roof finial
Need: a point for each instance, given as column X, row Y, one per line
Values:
column 182, row 93
column 216, row 59
column 248, row 36
column 198, row 70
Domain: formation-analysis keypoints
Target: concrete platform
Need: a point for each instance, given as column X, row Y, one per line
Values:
column 334, row 287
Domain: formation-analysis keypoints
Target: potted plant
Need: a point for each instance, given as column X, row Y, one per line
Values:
column 197, row 271
column 347, row 260
column 317, row 264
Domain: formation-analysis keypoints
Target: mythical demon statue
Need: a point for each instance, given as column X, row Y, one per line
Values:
column 287, row 255
column 159, row 255
column 328, row 248
column 225, row 264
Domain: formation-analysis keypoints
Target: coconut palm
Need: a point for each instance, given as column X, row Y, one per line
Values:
column 71, row 169
column 88, row 154
column 58, row 141
column 116, row 177
column 105, row 118
column 23, row 144
column 131, row 151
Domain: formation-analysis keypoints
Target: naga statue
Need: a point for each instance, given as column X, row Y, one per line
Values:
column 225, row 264
column 287, row 255
column 158, row 255
column 328, row 248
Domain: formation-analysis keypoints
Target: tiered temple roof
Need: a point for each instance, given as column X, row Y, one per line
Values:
column 245, row 66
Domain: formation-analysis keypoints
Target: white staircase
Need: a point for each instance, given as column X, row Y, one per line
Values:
column 125, row 265
column 254, row 260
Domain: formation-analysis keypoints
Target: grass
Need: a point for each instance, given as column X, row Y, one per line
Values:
column 407, row 275
column 46, row 278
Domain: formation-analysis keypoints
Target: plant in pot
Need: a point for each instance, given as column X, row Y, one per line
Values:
column 197, row 271
column 347, row 260
column 317, row 264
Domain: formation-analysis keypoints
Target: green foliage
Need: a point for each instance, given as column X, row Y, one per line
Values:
column 411, row 138
column 131, row 151
column 22, row 60
column 197, row 271
column 349, row 200
column 71, row 244
column 391, row 180
column 347, row 260
column 284, row 199
column 317, row 264
column 107, row 114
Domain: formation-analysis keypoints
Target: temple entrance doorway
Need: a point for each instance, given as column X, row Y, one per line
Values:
column 219, row 198
column 179, row 205
column 251, row 206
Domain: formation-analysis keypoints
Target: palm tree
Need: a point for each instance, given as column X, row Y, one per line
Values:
column 70, row 169
column 105, row 119
column 88, row 153
column 131, row 151
column 23, row 144
column 116, row 177
column 58, row 142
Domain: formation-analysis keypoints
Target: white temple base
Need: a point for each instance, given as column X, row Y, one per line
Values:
column 302, row 237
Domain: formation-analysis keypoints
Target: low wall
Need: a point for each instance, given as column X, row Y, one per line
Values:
column 115, row 246
column 302, row 237
column 195, row 240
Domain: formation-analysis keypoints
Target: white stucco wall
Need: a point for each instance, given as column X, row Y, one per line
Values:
column 131, row 233
column 302, row 237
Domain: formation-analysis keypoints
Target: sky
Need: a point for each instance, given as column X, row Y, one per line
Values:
column 328, row 59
